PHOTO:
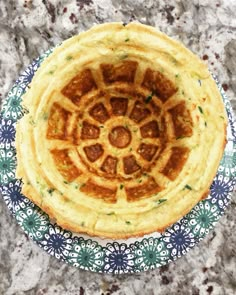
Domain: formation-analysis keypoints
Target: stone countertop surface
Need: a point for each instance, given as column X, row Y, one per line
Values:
column 29, row 28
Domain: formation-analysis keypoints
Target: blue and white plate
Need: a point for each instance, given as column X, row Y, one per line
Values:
column 99, row 255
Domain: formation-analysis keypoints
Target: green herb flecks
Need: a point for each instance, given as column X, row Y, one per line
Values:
column 222, row 117
column 200, row 109
column 188, row 187
column 121, row 186
column 149, row 98
column 66, row 182
column 127, row 222
column 180, row 137
column 69, row 57
column 205, row 123
column 111, row 213
column 200, row 82
column 82, row 224
column 51, row 190
column 123, row 56
column 160, row 201
column 127, row 40
column 31, row 121
column 45, row 116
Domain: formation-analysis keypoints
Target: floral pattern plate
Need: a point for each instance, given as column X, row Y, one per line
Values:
column 99, row 255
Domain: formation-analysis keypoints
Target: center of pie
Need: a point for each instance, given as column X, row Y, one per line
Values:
column 120, row 137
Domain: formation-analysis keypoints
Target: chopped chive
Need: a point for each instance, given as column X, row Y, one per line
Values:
column 82, row 184
column 101, row 126
column 124, row 56
column 188, row 187
column 51, row 190
column 127, row 40
column 177, row 76
column 183, row 92
column 180, row 137
column 200, row 109
column 69, row 57
column 111, row 213
column 140, row 180
column 127, row 222
column 149, row 98
column 121, row 186
column 130, row 149
column 200, row 82
column 82, row 223
column 158, row 202
column 205, row 123
column 76, row 186
column 66, row 182
column 222, row 117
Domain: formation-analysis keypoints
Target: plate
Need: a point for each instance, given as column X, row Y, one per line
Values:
column 105, row 255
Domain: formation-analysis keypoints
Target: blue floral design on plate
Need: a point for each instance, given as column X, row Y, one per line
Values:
column 13, row 197
column 12, row 108
column 7, row 133
column 57, row 242
column 33, row 221
column 88, row 253
column 7, row 165
column 179, row 239
column 221, row 190
column 119, row 258
column 150, row 253
column 202, row 218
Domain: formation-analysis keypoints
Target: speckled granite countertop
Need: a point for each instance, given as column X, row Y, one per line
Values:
column 27, row 29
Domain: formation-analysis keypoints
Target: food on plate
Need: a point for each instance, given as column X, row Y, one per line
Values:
column 124, row 132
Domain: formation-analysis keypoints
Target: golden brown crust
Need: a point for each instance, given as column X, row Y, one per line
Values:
column 122, row 128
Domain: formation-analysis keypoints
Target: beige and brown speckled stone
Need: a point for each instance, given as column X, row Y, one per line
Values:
column 27, row 29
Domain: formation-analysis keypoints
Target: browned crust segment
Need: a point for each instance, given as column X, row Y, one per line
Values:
column 65, row 165
column 130, row 164
column 99, row 113
column 109, row 165
column 57, row 122
column 139, row 112
column 99, row 191
column 81, row 84
column 93, row 152
column 142, row 191
column 121, row 72
column 178, row 157
column 150, row 130
column 89, row 131
column 182, row 120
column 147, row 151
column 119, row 105
column 120, row 137
column 158, row 84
